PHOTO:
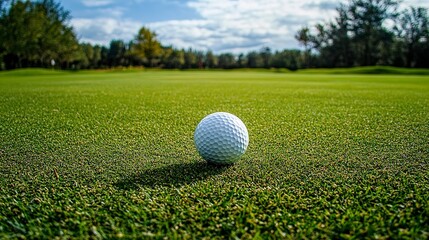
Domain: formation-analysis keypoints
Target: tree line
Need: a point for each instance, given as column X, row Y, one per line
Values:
column 367, row 33
column 363, row 33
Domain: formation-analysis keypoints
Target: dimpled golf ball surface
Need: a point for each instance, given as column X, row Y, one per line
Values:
column 221, row 138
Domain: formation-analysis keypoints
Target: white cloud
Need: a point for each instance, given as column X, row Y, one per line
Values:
column 103, row 30
column 224, row 25
column 241, row 25
column 96, row 3
column 113, row 12
column 111, row 26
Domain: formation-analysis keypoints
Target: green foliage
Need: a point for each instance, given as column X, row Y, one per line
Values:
column 35, row 32
column 173, row 58
column 146, row 47
column 413, row 28
column 290, row 59
column 367, row 23
column 91, row 56
column 211, row 61
column 110, row 155
column 226, row 60
column 116, row 55
column 362, row 35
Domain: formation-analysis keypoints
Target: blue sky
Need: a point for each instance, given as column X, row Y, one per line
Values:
column 219, row 25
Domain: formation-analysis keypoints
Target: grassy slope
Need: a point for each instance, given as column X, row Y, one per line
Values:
column 111, row 155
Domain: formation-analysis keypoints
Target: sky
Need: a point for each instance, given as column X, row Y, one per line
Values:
column 236, row 26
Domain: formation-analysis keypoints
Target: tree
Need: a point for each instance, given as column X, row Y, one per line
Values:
column 226, row 61
column 166, row 53
column 173, row 58
column 367, row 25
column 146, row 47
column 96, row 57
column 190, row 59
column 91, row 55
column 104, row 53
column 87, row 52
column 304, row 38
column 341, row 41
column 289, row 59
column 266, row 55
column 57, row 39
column 2, row 31
column 199, row 57
column 323, row 43
column 210, row 60
column 241, row 61
column 358, row 35
column 254, row 60
column 117, row 53
column 333, row 41
column 413, row 29
column 15, row 37
column 34, row 33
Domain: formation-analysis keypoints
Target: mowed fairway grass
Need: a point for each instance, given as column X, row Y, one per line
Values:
column 111, row 155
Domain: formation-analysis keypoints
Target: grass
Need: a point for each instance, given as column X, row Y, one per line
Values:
column 369, row 70
column 111, row 155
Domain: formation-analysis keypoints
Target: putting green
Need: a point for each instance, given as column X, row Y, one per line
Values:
column 111, row 154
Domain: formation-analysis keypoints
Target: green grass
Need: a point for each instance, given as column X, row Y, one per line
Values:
column 368, row 70
column 110, row 155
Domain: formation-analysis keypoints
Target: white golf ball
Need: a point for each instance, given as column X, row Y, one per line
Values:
column 221, row 138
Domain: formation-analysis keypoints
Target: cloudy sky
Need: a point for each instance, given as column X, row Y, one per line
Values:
column 219, row 25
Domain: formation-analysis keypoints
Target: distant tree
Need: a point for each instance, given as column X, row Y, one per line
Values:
column 322, row 38
column 358, row 35
column 117, row 53
column 35, row 32
column 58, row 38
column 87, row 53
column 194, row 59
column 165, row 55
column 241, row 61
column 96, row 57
column 146, row 47
column 3, row 12
column 305, row 39
column 333, row 41
column 190, row 59
column 210, row 60
column 289, row 59
column 278, row 60
column 104, row 57
column 266, row 56
column 413, row 29
column 200, row 59
column 367, row 25
column 173, row 58
column 341, row 47
column 254, row 60
column 16, row 40
column 226, row 61
column 91, row 55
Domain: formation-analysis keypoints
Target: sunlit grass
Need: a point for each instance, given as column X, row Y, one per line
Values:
column 111, row 155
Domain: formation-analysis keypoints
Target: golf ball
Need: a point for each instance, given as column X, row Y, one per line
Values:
column 221, row 138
